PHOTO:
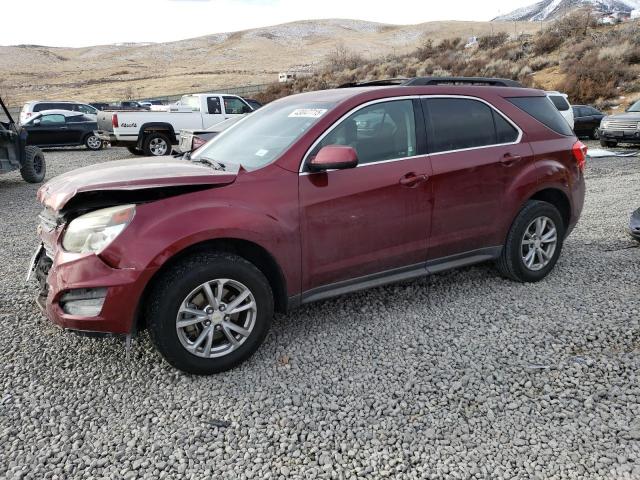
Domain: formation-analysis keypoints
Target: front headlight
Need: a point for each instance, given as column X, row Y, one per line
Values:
column 94, row 231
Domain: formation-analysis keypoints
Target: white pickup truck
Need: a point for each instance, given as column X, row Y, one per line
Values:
column 152, row 133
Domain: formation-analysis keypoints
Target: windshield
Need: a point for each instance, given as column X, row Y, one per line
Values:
column 264, row 135
column 635, row 107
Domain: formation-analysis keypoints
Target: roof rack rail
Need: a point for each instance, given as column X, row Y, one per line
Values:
column 376, row 83
column 492, row 82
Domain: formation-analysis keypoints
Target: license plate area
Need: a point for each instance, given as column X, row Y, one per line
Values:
column 617, row 134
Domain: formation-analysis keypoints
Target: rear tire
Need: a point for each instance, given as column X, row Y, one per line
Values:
column 156, row 145
column 93, row 142
column 204, row 346
column 135, row 151
column 520, row 242
column 608, row 143
column 595, row 134
column 34, row 167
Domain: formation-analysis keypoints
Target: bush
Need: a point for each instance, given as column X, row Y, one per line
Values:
column 492, row 41
column 592, row 78
column 547, row 42
column 341, row 58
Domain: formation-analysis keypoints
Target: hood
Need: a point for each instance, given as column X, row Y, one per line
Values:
column 632, row 116
column 132, row 175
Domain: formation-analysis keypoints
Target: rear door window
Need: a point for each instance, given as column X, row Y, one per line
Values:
column 78, row 119
column 462, row 123
column 543, row 110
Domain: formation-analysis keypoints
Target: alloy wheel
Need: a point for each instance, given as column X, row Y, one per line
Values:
column 539, row 243
column 94, row 142
column 216, row 318
column 158, row 146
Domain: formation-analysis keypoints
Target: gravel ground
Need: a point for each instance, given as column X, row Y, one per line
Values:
column 461, row 375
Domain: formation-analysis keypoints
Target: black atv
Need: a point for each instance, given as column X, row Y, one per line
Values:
column 15, row 153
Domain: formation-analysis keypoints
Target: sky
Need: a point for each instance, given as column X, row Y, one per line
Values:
column 78, row 23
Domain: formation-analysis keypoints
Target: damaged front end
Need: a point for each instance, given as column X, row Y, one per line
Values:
column 85, row 211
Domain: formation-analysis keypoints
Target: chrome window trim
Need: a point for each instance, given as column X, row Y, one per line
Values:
column 502, row 114
column 413, row 97
column 344, row 117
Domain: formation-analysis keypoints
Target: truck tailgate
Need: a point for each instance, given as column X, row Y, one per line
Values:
column 105, row 122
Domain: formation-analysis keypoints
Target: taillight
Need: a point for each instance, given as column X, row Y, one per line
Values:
column 580, row 154
column 114, row 120
column 197, row 142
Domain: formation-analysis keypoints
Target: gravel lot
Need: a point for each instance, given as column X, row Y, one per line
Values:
column 461, row 375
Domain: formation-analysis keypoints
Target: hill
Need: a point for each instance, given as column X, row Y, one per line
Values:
column 554, row 9
column 592, row 63
column 111, row 72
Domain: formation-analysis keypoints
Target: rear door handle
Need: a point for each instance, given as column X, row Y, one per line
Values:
column 509, row 159
column 412, row 180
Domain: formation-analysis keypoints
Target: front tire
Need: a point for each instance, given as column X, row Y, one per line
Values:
column 533, row 244
column 209, row 312
column 595, row 134
column 34, row 167
column 156, row 145
column 93, row 142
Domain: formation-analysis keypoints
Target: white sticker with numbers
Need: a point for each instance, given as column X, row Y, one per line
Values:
column 307, row 113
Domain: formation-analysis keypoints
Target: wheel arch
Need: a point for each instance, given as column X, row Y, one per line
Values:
column 250, row 251
column 160, row 127
column 558, row 199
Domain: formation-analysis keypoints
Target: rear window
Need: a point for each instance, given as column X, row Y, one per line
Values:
column 458, row 124
column 544, row 111
column 560, row 102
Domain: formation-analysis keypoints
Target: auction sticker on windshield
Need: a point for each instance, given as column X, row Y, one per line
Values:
column 307, row 113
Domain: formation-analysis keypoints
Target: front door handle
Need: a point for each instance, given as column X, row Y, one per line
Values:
column 509, row 159
column 412, row 180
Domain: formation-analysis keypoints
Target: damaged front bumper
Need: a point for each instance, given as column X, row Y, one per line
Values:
column 82, row 292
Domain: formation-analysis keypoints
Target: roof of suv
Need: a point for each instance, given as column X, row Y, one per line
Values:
column 339, row 95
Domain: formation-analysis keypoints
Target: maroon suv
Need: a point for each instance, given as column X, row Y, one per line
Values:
column 312, row 196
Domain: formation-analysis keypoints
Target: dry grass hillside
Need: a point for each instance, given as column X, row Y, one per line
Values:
column 592, row 63
column 112, row 72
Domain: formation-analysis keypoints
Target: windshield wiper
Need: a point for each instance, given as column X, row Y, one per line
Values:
column 208, row 161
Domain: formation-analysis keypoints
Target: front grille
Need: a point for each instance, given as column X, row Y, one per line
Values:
column 620, row 125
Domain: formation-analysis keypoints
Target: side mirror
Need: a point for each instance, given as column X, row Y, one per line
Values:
column 334, row 157
column 246, row 109
column 36, row 122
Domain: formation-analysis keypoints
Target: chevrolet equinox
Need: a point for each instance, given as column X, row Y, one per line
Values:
column 312, row 196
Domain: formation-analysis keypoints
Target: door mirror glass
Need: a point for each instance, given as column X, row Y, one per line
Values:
column 334, row 157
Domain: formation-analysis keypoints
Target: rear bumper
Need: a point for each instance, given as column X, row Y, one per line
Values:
column 624, row 136
column 73, row 272
column 114, row 140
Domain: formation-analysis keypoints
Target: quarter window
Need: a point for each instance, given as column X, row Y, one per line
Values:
column 383, row 131
column 461, row 123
